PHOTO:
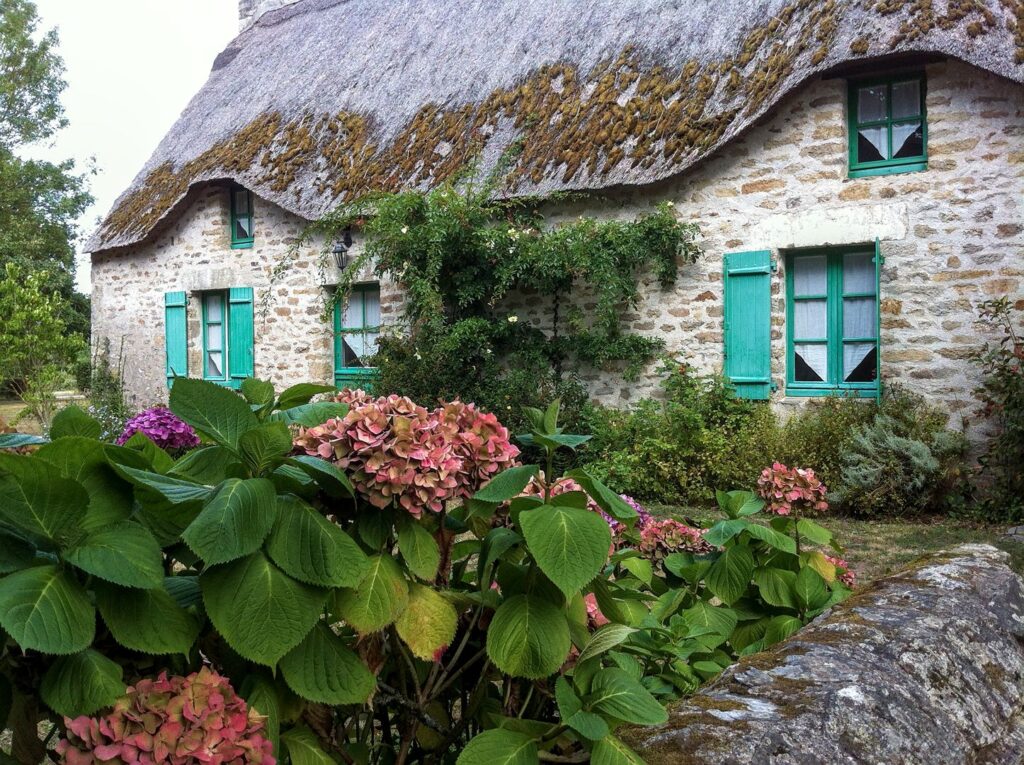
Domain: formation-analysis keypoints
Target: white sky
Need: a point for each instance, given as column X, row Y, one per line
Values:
column 132, row 66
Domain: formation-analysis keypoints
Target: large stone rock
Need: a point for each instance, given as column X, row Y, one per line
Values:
column 925, row 666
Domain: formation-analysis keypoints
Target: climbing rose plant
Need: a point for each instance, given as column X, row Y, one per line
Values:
column 379, row 581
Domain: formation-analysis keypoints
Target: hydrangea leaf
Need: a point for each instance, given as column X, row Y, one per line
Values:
column 729, row 575
column 259, row 610
column 327, row 477
column 72, row 420
column 81, row 684
column 311, row 415
column 323, row 669
column 85, row 460
column 418, row 548
column 776, row 586
column 304, row 748
column 45, row 610
column 378, row 599
column 507, row 484
column 300, row 394
column 570, row 545
column 810, row 588
column 34, row 500
column 148, row 621
column 234, row 522
column 15, row 553
column 615, row 692
column 265, row 446
column 124, row 553
column 611, row 751
column 528, row 637
column 427, row 625
column 311, row 549
column 167, row 488
column 213, row 410
column 499, row 747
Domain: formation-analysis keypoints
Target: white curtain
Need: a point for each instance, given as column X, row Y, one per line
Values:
column 810, row 320
column 809, row 275
column 816, row 357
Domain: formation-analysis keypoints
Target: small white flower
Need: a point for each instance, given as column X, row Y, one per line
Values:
column 405, row 229
column 513, row 319
column 418, row 357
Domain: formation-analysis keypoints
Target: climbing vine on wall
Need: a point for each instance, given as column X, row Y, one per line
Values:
column 460, row 255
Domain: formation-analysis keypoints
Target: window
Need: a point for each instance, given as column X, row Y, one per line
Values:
column 228, row 335
column 888, row 127
column 241, row 218
column 356, row 329
column 832, row 322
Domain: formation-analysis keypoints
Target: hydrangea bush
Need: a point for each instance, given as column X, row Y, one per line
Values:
column 791, row 491
column 381, row 582
column 162, row 427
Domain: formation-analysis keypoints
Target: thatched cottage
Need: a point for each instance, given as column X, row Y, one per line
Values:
column 856, row 168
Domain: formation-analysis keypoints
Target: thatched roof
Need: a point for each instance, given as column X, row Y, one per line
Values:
column 324, row 100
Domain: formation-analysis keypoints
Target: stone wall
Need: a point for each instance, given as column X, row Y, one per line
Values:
column 924, row 667
column 952, row 236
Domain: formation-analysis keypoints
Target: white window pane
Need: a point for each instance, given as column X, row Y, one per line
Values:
column 214, row 338
column 859, row 272
column 809, row 275
column 906, row 100
column 241, row 203
column 353, row 311
column 873, row 144
column 860, row 362
column 371, row 299
column 214, row 307
column 810, row 319
column 214, row 364
column 354, row 347
column 859, row 317
column 907, row 140
column 243, row 228
column 370, row 344
column 811, row 362
column 871, row 104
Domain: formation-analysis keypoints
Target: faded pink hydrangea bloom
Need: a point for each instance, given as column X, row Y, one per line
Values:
column 844, row 573
column 660, row 538
column 162, row 427
column 789, row 491
column 595, row 618
column 176, row 720
column 397, row 451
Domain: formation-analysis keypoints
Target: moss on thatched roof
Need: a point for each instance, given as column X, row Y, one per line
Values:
column 325, row 100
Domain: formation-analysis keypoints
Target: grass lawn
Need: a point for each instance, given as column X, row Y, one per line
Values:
column 877, row 548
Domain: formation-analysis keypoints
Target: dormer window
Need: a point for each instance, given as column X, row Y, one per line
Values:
column 888, row 127
column 241, row 218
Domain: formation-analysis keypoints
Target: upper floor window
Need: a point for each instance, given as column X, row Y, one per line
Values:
column 356, row 329
column 241, row 218
column 888, row 126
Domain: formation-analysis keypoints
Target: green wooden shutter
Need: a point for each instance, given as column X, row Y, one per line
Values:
column 175, row 335
column 879, row 260
column 240, row 335
column 748, row 318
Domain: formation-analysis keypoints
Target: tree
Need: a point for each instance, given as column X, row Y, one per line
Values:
column 40, row 201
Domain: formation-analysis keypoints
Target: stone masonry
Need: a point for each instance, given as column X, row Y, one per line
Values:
column 952, row 236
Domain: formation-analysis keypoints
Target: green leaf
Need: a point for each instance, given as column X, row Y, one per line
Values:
column 85, row 460
column 261, row 694
column 259, row 610
column 212, row 410
column 378, row 599
column 772, row 538
column 551, row 417
column 566, row 699
column 570, row 545
column 323, row 669
column 158, row 459
column 311, row 549
column 819, row 535
column 300, row 394
column 641, row 568
column 418, row 548
column 304, row 748
column 34, row 500
column 702, row 617
column 234, row 522
column 311, row 415
column 528, row 637
column 809, row 588
column 168, row 488
column 428, row 623
column 780, row 628
column 607, row 500
column 499, row 747
column 507, row 484
column 327, row 477
column 589, row 725
column 497, row 542
column 729, row 576
column 614, row 692
column 72, row 420
column 124, row 553
column 15, row 553
column 45, row 610
column 209, row 465
column 266, row 446
column 259, row 393
column 605, row 639
column 723, row 531
column 776, row 586
column 19, row 440
column 556, row 440
column 184, row 589
column 81, row 684
column 611, row 751
column 148, row 621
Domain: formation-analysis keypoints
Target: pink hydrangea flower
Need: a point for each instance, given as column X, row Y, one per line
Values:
column 162, row 427
column 789, row 491
column 176, row 720
column 660, row 538
column 844, row 573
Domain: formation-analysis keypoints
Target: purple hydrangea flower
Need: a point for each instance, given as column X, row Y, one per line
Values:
column 162, row 427
column 645, row 516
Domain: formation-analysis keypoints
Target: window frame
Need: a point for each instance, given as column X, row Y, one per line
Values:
column 859, row 169
column 225, row 365
column 241, row 243
column 835, row 339
column 344, row 373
